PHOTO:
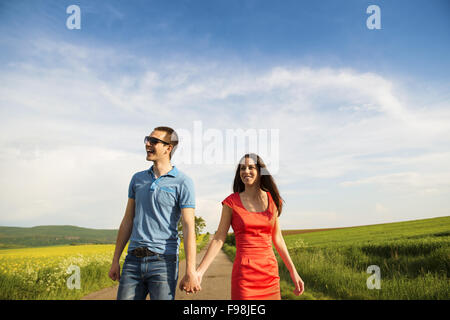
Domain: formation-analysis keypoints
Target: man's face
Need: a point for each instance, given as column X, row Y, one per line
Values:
column 158, row 151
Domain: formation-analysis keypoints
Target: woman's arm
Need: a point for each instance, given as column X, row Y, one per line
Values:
column 280, row 245
column 217, row 242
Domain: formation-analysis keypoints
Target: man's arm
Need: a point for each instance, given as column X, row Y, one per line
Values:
column 122, row 238
column 190, row 280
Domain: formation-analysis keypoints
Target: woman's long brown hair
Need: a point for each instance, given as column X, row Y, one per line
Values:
column 267, row 183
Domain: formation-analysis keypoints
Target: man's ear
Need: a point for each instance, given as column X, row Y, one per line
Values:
column 170, row 149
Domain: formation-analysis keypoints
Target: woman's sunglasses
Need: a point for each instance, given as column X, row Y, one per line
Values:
column 154, row 141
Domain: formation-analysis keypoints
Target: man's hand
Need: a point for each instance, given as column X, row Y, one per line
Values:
column 114, row 272
column 190, row 283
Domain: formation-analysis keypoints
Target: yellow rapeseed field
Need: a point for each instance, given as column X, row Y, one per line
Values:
column 43, row 272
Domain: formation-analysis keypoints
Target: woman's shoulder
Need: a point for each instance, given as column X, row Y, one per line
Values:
column 231, row 199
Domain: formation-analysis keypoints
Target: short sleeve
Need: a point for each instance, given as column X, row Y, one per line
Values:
column 187, row 194
column 228, row 201
column 131, row 190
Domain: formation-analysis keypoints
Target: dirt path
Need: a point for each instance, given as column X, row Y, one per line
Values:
column 216, row 283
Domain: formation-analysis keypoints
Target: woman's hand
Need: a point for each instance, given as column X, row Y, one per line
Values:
column 298, row 282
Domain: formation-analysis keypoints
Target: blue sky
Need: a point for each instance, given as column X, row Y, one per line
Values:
column 363, row 115
column 413, row 40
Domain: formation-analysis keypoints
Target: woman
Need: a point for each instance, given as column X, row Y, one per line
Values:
column 253, row 210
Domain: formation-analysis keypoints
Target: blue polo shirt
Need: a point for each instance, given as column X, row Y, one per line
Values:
column 158, row 204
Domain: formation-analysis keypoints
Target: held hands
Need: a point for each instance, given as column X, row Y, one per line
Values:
column 191, row 282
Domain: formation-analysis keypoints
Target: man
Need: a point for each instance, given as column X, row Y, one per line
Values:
column 156, row 199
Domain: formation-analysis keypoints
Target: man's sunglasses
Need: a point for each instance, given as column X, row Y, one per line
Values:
column 154, row 141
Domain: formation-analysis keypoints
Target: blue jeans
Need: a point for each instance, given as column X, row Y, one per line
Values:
column 156, row 275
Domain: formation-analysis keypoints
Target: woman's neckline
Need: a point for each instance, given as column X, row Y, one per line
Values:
column 242, row 204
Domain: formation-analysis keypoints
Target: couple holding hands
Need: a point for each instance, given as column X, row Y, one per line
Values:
column 160, row 196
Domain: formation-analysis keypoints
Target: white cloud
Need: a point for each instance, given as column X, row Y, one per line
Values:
column 85, row 185
column 79, row 114
column 412, row 183
column 381, row 209
column 310, row 219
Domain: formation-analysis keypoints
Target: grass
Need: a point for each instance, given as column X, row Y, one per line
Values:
column 413, row 257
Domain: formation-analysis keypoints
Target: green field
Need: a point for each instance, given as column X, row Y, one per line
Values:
column 40, row 236
column 413, row 257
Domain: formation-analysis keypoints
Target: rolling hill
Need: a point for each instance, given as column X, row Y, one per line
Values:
column 17, row 237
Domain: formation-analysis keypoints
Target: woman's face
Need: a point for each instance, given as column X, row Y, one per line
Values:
column 249, row 172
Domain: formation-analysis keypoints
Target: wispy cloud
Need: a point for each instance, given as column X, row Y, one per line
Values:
column 72, row 124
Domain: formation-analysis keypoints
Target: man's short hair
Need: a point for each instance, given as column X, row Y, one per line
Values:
column 173, row 137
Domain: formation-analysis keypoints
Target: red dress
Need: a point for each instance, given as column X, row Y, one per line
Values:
column 255, row 269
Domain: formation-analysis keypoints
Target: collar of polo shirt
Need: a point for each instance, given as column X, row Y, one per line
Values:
column 172, row 173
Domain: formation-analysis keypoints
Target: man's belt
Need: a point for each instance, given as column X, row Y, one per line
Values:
column 142, row 252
